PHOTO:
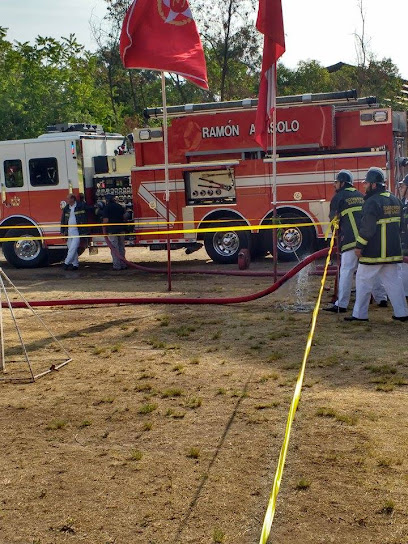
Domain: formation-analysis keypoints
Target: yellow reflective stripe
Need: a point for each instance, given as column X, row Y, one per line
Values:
column 383, row 240
column 394, row 259
column 353, row 225
column 348, row 246
column 389, row 220
column 362, row 241
column 387, row 194
column 350, row 211
column 350, row 189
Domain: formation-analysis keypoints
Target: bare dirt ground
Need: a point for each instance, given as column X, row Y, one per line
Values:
column 166, row 426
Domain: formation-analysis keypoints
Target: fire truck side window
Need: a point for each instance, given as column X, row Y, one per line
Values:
column 43, row 171
column 13, row 173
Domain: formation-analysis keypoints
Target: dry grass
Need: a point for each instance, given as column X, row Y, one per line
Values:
column 166, row 427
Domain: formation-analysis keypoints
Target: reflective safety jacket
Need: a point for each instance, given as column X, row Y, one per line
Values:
column 347, row 205
column 379, row 234
column 80, row 216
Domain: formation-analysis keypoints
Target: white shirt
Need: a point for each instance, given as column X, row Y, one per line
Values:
column 72, row 231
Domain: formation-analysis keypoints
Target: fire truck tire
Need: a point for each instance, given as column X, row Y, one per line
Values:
column 56, row 255
column 224, row 247
column 292, row 242
column 24, row 253
column 296, row 241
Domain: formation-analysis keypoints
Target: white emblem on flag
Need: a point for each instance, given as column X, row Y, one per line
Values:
column 177, row 12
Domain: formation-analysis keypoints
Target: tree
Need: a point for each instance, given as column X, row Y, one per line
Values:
column 48, row 82
column 232, row 46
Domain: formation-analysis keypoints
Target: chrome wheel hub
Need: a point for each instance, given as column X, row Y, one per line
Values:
column 27, row 249
column 290, row 240
column 226, row 243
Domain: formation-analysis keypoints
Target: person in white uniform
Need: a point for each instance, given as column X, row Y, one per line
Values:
column 73, row 215
column 378, row 248
column 347, row 205
column 403, row 194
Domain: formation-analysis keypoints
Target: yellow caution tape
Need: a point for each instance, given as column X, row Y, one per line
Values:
column 136, row 223
column 162, row 232
column 270, row 511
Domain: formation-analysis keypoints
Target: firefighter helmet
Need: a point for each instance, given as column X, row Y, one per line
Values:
column 345, row 176
column 375, row 175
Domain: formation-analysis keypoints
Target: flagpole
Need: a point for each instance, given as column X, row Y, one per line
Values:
column 166, row 176
column 274, row 179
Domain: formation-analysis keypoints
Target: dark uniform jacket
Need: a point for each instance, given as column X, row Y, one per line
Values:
column 80, row 215
column 347, row 204
column 114, row 213
column 379, row 234
column 404, row 233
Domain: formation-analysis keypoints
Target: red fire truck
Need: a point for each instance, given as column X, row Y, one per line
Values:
column 218, row 174
column 37, row 174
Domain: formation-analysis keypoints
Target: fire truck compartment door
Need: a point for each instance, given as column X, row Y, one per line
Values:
column 48, row 167
column 14, row 181
column 50, row 178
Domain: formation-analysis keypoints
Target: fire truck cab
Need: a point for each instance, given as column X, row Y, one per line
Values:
column 36, row 175
column 219, row 175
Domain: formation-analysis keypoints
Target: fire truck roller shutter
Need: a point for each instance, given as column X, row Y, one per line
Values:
column 293, row 242
column 25, row 252
column 224, row 247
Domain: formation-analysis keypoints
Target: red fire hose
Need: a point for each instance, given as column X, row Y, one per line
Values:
column 181, row 300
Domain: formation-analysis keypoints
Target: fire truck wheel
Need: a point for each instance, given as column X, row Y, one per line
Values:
column 224, row 247
column 294, row 241
column 26, row 252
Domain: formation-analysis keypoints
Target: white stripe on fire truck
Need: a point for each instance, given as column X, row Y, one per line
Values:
column 160, row 208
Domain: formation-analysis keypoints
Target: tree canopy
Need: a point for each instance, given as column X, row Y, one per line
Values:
column 51, row 81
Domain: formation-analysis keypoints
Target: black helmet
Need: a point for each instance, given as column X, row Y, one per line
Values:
column 375, row 175
column 345, row 176
column 405, row 180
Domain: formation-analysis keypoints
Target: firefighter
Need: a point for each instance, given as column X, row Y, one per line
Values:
column 379, row 249
column 116, row 214
column 347, row 205
column 73, row 215
column 403, row 193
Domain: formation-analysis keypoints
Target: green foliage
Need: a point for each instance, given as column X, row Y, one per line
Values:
column 52, row 81
column 49, row 82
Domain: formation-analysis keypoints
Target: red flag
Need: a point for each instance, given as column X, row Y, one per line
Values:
column 270, row 23
column 162, row 35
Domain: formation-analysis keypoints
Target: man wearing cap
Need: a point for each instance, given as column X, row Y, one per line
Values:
column 114, row 217
column 378, row 248
column 73, row 216
column 347, row 205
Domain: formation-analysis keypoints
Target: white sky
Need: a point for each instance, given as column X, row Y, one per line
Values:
column 315, row 29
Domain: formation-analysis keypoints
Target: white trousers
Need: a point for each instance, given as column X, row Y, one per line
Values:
column 404, row 272
column 349, row 264
column 73, row 245
column 390, row 277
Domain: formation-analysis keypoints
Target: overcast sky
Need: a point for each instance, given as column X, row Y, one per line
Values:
column 315, row 29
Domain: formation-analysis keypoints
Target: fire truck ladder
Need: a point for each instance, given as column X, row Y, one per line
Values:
column 341, row 99
column 13, row 366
